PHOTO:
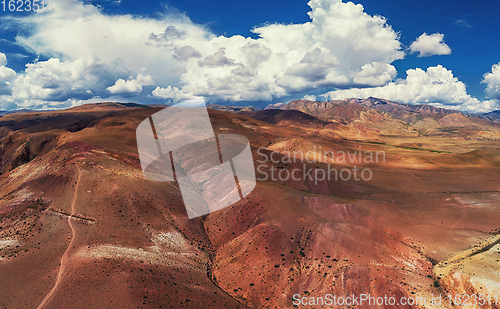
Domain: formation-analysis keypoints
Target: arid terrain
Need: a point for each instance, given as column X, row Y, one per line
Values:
column 81, row 227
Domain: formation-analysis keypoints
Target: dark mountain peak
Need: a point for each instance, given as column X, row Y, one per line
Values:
column 229, row 108
column 493, row 114
column 277, row 115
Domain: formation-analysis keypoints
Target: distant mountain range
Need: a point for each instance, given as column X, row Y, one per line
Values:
column 400, row 109
column 396, row 109
column 100, row 105
column 373, row 114
column 228, row 108
column 494, row 115
column 2, row 113
column 375, row 119
column 347, row 110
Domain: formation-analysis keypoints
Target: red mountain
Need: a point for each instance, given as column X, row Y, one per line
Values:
column 81, row 227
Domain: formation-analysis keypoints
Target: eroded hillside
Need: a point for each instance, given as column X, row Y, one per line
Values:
column 82, row 227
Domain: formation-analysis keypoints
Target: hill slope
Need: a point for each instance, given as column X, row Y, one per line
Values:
column 81, row 227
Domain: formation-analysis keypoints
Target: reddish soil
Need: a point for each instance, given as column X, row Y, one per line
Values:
column 434, row 196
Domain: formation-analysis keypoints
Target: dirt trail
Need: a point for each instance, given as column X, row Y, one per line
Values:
column 65, row 257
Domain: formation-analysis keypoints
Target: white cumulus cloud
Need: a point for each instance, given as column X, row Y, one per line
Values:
column 341, row 46
column 94, row 56
column 6, row 75
column 171, row 93
column 437, row 86
column 430, row 45
column 132, row 85
column 56, row 80
column 492, row 81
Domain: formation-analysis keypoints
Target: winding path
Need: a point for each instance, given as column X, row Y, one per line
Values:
column 65, row 257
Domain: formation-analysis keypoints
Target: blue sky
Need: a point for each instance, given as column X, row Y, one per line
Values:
column 443, row 53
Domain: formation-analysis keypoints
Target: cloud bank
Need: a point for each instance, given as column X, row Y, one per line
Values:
column 94, row 56
column 436, row 86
